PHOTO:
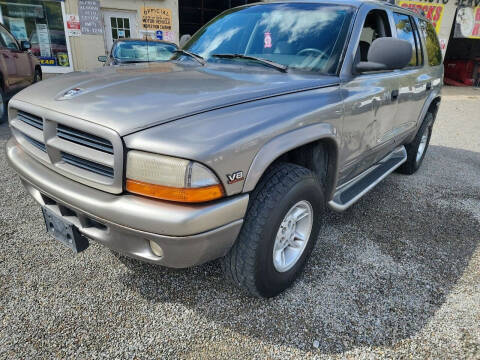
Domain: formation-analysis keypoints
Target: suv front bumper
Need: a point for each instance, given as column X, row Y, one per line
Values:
column 188, row 234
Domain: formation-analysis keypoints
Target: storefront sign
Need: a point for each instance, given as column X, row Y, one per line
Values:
column 432, row 11
column 44, row 40
column 48, row 61
column 24, row 10
column 467, row 23
column 90, row 17
column 73, row 25
column 156, row 18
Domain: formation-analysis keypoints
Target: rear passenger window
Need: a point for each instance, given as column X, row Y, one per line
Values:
column 405, row 31
column 434, row 52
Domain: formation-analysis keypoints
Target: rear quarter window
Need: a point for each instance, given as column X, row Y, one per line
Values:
column 434, row 52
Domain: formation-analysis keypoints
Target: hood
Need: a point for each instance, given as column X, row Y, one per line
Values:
column 131, row 98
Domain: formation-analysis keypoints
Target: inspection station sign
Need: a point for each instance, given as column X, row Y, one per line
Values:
column 156, row 18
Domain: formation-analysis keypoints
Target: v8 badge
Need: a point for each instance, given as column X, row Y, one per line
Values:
column 235, row 177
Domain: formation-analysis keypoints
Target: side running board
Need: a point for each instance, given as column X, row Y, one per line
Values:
column 353, row 190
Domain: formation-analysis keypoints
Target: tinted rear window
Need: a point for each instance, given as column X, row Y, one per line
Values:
column 434, row 52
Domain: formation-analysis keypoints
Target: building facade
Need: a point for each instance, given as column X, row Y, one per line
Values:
column 69, row 35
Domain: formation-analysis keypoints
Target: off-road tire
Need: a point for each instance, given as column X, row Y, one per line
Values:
column 412, row 165
column 249, row 263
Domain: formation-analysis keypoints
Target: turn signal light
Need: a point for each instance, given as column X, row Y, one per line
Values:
column 186, row 195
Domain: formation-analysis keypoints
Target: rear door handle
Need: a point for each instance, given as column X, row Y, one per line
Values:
column 429, row 85
column 395, row 94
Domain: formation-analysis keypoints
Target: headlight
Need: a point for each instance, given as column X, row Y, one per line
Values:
column 169, row 178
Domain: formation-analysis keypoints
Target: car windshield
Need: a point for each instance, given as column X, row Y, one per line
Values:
column 300, row 36
column 142, row 51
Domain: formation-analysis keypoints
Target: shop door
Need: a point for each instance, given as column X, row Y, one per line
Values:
column 119, row 25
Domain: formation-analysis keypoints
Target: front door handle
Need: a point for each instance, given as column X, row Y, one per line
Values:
column 395, row 94
column 429, row 85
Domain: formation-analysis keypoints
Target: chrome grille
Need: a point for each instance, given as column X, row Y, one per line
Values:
column 30, row 119
column 87, row 165
column 37, row 144
column 82, row 138
column 85, row 152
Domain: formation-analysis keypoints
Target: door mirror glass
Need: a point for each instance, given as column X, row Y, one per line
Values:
column 184, row 39
column 102, row 58
column 386, row 53
column 26, row 45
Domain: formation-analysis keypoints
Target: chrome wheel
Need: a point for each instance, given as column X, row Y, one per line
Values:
column 292, row 236
column 423, row 145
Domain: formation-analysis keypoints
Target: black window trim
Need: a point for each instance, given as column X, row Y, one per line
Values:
column 418, row 40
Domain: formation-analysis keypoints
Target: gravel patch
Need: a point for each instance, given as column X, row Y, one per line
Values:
column 395, row 276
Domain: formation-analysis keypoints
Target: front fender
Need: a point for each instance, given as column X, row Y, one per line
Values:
column 239, row 142
column 282, row 144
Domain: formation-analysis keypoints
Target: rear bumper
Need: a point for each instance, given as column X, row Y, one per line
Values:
column 188, row 234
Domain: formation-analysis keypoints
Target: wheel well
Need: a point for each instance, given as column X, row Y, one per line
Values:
column 434, row 105
column 2, row 82
column 320, row 157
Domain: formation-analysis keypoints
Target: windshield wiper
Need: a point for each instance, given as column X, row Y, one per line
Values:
column 263, row 61
column 197, row 57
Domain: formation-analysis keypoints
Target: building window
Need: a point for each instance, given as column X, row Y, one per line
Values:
column 120, row 28
column 41, row 23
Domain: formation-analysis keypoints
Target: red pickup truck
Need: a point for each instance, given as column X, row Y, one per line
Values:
column 19, row 68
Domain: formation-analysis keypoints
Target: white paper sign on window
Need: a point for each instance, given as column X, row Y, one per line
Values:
column 44, row 40
column 18, row 29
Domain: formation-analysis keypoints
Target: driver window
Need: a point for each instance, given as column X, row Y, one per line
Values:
column 375, row 26
column 7, row 40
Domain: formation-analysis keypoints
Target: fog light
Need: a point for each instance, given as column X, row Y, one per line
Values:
column 156, row 249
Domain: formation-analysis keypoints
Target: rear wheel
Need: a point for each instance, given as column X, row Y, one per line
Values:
column 417, row 149
column 279, row 232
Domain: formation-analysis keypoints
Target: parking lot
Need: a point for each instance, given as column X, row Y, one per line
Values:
column 396, row 275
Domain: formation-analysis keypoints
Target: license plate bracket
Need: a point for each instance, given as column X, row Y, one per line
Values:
column 64, row 231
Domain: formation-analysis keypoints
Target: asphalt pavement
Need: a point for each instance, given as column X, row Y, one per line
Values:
column 395, row 276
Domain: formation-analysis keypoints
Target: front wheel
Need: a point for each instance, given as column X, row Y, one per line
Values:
column 279, row 232
column 38, row 76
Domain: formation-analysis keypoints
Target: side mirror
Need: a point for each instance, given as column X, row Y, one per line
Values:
column 386, row 53
column 102, row 58
column 25, row 45
column 184, row 39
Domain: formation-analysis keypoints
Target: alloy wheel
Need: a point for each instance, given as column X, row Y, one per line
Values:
column 292, row 236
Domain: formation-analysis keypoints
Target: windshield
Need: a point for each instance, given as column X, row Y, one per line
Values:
column 133, row 51
column 301, row 36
